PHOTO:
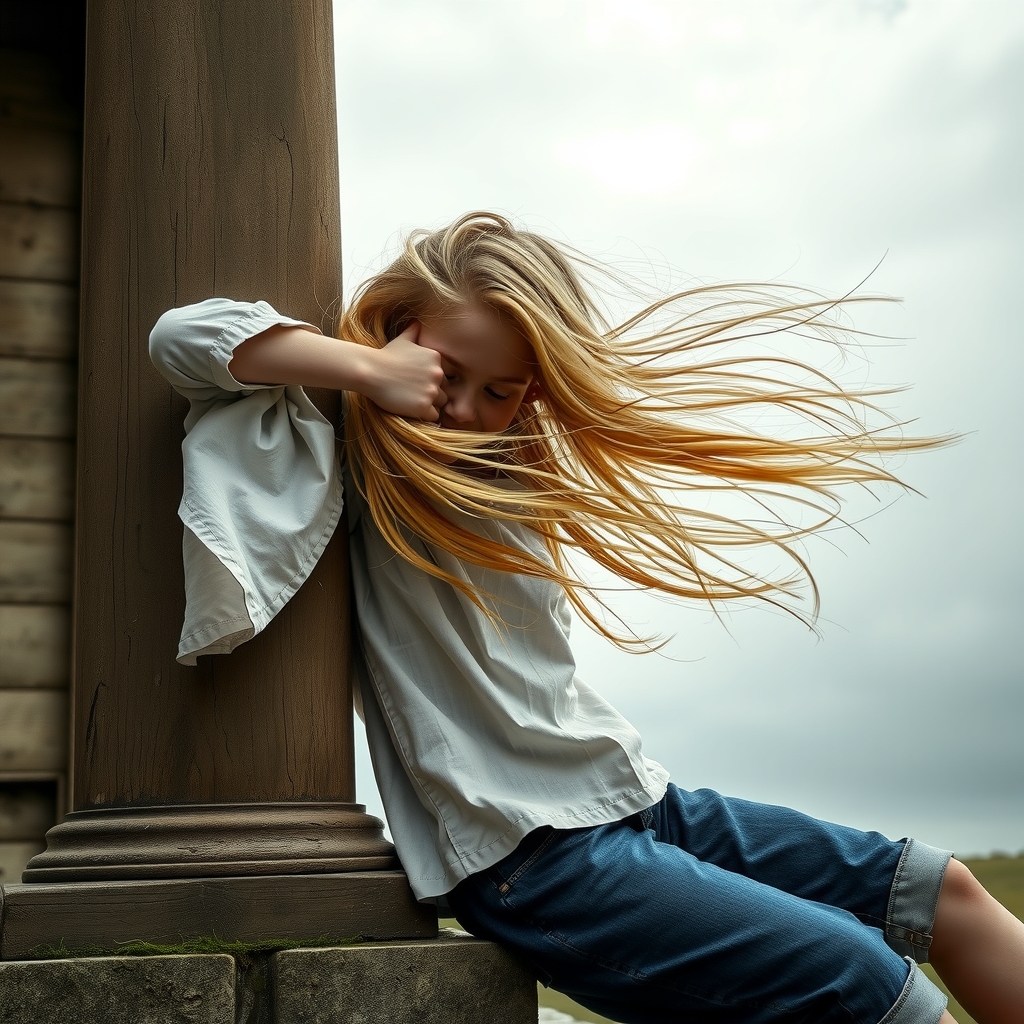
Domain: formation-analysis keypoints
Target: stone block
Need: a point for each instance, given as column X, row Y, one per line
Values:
column 453, row 979
column 120, row 990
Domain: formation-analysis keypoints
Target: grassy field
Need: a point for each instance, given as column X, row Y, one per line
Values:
column 1002, row 876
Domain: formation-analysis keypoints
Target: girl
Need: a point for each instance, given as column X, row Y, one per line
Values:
column 495, row 428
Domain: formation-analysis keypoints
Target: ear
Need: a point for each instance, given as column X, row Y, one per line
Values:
column 533, row 392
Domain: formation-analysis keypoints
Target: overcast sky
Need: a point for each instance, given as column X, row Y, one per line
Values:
column 794, row 139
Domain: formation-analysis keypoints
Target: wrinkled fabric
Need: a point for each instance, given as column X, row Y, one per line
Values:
column 761, row 914
column 262, row 494
column 479, row 733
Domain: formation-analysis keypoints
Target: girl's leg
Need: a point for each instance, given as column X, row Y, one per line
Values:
column 893, row 886
column 644, row 931
column 978, row 949
column 977, row 946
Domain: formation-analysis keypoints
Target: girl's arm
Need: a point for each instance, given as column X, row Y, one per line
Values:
column 401, row 378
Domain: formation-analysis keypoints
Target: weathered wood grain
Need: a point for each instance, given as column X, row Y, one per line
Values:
column 39, row 165
column 35, row 562
column 35, row 645
column 38, row 318
column 27, row 810
column 33, row 730
column 37, row 398
column 38, row 242
column 212, row 840
column 37, row 478
column 213, row 171
column 373, row 904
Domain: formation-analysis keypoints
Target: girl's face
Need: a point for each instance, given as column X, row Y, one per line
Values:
column 489, row 368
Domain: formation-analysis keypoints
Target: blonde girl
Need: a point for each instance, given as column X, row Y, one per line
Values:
column 499, row 433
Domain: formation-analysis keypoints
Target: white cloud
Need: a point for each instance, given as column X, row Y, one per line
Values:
column 652, row 160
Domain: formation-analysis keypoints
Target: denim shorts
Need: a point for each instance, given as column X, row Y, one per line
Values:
column 706, row 908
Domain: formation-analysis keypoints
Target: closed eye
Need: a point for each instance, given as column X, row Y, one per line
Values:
column 496, row 396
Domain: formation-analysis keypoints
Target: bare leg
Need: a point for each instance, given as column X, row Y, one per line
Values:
column 978, row 950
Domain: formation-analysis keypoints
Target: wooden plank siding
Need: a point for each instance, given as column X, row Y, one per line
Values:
column 38, row 164
column 37, row 398
column 31, row 802
column 33, row 730
column 36, row 478
column 40, row 188
column 14, row 857
column 26, row 811
column 35, row 562
column 35, row 645
column 38, row 319
column 38, row 242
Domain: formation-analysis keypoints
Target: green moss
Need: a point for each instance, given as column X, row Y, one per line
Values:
column 200, row 944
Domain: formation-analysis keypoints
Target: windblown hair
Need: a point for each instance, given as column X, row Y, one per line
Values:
column 646, row 435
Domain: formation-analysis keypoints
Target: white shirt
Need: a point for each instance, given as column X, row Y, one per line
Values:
column 478, row 734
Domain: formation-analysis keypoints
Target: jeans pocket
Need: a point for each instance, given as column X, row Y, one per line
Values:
column 506, row 884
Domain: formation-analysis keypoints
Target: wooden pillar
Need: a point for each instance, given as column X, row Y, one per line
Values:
column 210, row 168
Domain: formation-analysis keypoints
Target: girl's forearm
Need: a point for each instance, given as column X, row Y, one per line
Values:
column 402, row 377
column 296, row 355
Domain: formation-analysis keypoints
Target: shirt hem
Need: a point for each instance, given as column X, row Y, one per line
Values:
column 260, row 613
column 430, row 887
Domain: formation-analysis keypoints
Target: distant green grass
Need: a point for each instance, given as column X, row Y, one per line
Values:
column 1002, row 876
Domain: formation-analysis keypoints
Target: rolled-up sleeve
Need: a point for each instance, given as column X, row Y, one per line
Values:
column 192, row 346
column 262, row 488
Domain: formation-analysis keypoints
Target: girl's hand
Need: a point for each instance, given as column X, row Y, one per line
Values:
column 405, row 378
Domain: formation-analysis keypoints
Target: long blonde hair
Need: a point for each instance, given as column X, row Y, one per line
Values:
column 637, row 436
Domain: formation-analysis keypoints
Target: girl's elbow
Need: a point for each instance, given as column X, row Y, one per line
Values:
column 163, row 343
column 179, row 347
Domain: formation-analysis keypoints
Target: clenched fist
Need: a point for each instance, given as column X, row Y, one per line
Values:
column 406, row 378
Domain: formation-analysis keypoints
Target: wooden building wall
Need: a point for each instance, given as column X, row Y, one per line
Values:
column 40, row 141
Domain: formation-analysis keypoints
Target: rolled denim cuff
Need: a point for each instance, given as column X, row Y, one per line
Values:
column 920, row 1002
column 912, row 899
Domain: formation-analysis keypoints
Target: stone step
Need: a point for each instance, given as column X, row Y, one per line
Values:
column 453, row 979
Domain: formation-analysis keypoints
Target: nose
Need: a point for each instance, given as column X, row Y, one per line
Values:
column 459, row 407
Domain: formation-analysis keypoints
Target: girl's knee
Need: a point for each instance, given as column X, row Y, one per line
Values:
column 962, row 898
column 959, row 889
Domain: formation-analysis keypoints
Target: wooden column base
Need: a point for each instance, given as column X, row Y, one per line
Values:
column 210, row 840
column 92, row 917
